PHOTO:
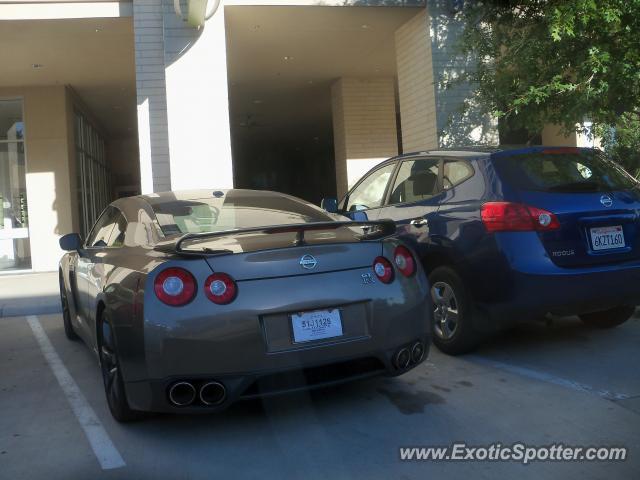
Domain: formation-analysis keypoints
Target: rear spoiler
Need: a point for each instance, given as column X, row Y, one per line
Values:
column 371, row 231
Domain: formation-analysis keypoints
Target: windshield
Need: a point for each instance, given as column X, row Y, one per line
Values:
column 235, row 210
column 564, row 172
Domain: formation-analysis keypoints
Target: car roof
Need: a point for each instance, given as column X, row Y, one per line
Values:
column 487, row 151
column 162, row 197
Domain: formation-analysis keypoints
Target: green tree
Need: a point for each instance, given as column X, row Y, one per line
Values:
column 558, row 61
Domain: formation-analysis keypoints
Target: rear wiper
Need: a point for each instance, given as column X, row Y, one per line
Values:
column 577, row 187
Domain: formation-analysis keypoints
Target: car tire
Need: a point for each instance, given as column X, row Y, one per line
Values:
column 453, row 329
column 66, row 313
column 608, row 318
column 111, row 373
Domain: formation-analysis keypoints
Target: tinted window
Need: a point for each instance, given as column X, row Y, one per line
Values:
column 370, row 192
column 102, row 229
column 118, row 233
column 454, row 173
column 564, row 172
column 236, row 209
column 416, row 180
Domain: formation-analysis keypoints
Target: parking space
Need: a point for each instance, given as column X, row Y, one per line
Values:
column 539, row 384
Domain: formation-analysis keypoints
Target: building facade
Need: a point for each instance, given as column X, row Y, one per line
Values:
column 103, row 99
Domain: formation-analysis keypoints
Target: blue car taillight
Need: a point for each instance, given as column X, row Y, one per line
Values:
column 516, row 217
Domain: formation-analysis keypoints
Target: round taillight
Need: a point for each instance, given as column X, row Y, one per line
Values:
column 383, row 269
column 404, row 261
column 220, row 288
column 175, row 287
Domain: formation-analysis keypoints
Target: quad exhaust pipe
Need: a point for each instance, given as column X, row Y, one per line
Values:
column 183, row 394
column 406, row 356
column 402, row 359
column 213, row 393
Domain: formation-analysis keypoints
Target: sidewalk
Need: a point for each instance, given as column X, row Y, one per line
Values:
column 29, row 294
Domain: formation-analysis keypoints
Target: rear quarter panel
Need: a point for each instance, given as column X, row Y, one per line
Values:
column 459, row 238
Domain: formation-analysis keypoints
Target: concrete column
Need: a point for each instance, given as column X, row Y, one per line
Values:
column 364, row 126
column 153, row 134
column 197, row 101
column 50, row 179
column 415, row 85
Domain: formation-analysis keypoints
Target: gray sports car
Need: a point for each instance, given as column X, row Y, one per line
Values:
column 193, row 300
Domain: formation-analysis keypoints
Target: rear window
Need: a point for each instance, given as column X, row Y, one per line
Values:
column 563, row 172
column 233, row 211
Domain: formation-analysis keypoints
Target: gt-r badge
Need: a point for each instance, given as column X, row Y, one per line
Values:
column 367, row 279
column 308, row 262
column 606, row 200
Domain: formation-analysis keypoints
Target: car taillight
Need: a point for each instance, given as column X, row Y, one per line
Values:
column 404, row 261
column 175, row 287
column 516, row 217
column 220, row 288
column 383, row 269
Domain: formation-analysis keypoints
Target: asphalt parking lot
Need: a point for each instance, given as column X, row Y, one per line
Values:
column 538, row 384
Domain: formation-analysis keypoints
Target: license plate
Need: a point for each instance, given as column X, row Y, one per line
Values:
column 309, row 326
column 607, row 238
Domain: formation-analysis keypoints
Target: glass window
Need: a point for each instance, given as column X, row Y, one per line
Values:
column 416, row 180
column 370, row 192
column 236, row 209
column 94, row 178
column 99, row 236
column 119, row 231
column 564, row 172
column 15, row 251
column 454, row 173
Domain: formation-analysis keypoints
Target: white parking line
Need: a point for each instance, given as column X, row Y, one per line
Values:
column 102, row 446
column 547, row 377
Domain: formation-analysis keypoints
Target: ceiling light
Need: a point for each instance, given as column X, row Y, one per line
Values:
column 288, row 58
column 257, row 102
column 37, row 66
column 99, row 29
column 365, row 26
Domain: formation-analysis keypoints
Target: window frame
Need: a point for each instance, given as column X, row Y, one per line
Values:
column 440, row 161
column 393, row 162
column 116, row 213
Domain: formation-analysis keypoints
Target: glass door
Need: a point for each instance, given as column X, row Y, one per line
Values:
column 15, row 251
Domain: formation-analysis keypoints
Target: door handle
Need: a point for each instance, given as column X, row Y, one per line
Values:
column 419, row 222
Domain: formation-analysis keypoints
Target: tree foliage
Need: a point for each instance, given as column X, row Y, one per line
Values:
column 555, row 61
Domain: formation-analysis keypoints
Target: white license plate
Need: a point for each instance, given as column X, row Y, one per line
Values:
column 309, row 326
column 607, row 238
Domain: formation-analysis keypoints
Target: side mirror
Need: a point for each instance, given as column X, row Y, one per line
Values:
column 359, row 216
column 329, row 204
column 70, row 242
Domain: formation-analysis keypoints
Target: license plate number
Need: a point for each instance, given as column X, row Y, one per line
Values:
column 310, row 326
column 607, row 238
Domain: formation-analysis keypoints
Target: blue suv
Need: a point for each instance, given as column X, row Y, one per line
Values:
column 508, row 235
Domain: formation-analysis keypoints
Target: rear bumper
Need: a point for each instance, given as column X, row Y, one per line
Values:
column 248, row 346
column 532, row 295
column 151, row 395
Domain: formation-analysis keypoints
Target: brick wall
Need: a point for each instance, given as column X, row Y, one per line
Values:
column 364, row 122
